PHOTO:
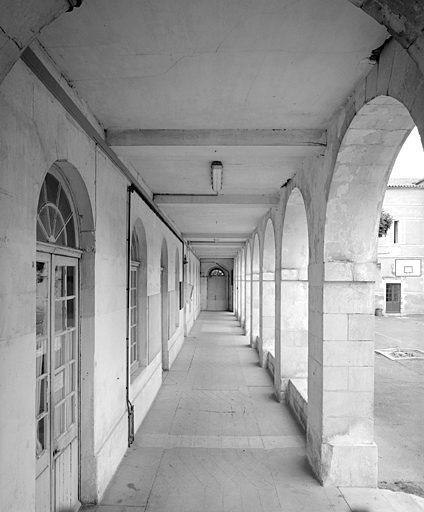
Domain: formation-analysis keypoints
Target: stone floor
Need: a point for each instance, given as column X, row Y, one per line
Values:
column 216, row 440
column 399, row 405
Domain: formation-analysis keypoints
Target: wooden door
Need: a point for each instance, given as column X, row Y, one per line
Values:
column 393, row 297
column 57, row 462
column 217, row 296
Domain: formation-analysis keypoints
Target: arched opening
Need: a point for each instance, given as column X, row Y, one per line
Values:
column 177, row 289
column 342, row 328
column 64, row 344
column 242, row 289
column 217, row 289
column 164, row 305
column 399, row 292
column 138, row 335
column 255, row 293
column 294, row 293
column 267, row 337
column 247, row 328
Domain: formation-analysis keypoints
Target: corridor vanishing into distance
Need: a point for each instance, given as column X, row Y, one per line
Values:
column 216, row 439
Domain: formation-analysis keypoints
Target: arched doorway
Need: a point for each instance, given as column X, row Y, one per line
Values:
column 217, row 290
column 58, row 330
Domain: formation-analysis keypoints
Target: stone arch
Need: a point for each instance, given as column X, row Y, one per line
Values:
column 362, row 170
column 255, row 333
column 403, row 20
column 343, row 337
column 164, row 304
column 248, row 301
column 267, row 337
column 139, row 255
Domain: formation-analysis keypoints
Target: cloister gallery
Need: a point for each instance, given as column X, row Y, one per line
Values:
column 161, row 158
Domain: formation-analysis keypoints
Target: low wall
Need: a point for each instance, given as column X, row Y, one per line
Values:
column 297, row 399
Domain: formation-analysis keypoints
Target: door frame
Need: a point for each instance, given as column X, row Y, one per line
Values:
column 227, row 286
column 394, row 281
column 56, row 254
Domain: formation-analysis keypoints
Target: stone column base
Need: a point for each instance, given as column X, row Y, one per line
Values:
column 345, row 463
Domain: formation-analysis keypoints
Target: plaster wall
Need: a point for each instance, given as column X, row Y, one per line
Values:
column 36, row 132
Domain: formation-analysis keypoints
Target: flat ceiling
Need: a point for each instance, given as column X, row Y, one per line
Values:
column 214, row 65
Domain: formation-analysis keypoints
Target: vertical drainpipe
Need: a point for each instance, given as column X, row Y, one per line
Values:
column 129, row 405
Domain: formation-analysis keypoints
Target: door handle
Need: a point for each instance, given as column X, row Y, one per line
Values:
column 56, row 452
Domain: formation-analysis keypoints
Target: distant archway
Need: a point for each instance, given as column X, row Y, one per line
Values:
column 217, row 289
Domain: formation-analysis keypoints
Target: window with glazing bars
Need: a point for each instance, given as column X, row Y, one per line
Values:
column 133, row 343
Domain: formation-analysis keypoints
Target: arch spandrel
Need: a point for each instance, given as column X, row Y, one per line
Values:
column 268, row 258
column 256, row 257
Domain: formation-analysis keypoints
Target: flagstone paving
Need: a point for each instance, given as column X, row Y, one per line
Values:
column 216, row 440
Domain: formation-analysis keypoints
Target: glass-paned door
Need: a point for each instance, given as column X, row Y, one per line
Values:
column 393, row 297
column 56, row 389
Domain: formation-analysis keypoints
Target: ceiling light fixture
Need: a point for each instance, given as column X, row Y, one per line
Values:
column 216, row 176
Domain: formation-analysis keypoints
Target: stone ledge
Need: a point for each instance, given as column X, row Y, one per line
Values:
column 297, row 399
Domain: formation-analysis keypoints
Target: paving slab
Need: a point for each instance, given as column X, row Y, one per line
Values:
column 217, row 440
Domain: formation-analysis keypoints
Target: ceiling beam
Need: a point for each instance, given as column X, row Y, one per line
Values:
column 220, row 245
column 233, row 199
column 219, row 236
column 310, row 137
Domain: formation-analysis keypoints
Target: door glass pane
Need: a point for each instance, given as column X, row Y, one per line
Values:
column 41, row 357
column 60, row 351
column 59, row 282
column 59, row 420
column 71, row 378
column 71, row 343
column 41, row 317
column 41, row 436
column 71, row 411
column 59, row 316
column 70, row 313
column 70, row 281
column 59, row 386
column 41, row 393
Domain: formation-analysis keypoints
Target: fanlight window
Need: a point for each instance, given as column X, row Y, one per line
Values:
column 216, row 272
column 55, row 217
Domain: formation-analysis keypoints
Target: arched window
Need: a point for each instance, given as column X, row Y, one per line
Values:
column 216, row 272
column 134, row 293
column 55, row 216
